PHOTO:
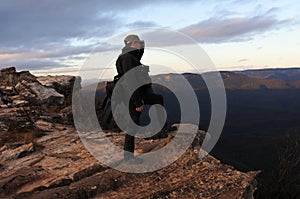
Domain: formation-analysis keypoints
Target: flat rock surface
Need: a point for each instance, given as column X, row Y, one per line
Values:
column 61, row 167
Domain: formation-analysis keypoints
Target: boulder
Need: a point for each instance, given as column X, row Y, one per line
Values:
column 36, row 92
column 63, row 84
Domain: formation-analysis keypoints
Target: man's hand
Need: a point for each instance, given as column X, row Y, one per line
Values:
column 139, row 109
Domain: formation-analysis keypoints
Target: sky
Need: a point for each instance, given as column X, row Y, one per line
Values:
column 60, row 37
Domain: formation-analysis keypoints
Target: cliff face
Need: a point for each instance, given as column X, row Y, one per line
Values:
column 25, row 99
column 54, row 162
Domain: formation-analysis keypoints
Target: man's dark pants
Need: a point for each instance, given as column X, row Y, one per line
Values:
column 149, row 97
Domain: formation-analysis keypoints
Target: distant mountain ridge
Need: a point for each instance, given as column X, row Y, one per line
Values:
column 236, row 80
column 287, row 74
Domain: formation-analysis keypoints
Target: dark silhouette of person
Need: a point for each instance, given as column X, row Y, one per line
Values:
column 129, row 58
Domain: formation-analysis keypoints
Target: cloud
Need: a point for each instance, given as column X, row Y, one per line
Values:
column 243, row 60
column 30, row 22
column 142, row 24
column 31, row 64
column 32, row 30
column 46, row 34
column 215, row 30
column 38, row 35
column 163, row 37
column 50, row 57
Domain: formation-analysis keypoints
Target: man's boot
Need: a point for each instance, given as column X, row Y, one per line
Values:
column 163, row 133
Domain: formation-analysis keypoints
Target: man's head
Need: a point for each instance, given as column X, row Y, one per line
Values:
column 134, row 42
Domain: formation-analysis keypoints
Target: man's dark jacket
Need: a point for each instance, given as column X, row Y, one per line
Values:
column 129, row 59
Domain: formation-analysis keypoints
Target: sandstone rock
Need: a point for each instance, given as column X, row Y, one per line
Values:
column 63, row 84
column 44, row 126
column 25, row 99
column 16, row 118
column 17, row 152
column 9, row 77
column 19, row 103
column 64, row 167
column 3, row 148
column 3, row 126
column 67, row 115
column 36, row 92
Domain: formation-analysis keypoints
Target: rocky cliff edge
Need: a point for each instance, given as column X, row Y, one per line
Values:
column 42, row 156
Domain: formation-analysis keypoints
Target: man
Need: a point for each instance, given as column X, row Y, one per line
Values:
column 129, row 58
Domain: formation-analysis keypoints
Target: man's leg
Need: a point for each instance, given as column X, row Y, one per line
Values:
column 129, row 139
column 151, row 98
